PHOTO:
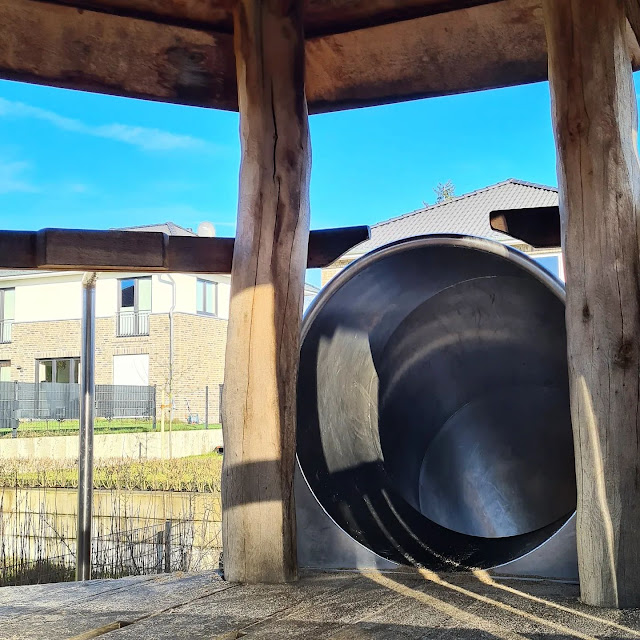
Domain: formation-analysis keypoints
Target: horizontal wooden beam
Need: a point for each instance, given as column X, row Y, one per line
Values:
column 322, row 17
column 86, row 250
column 484, row 46
column 537, row 226
column 64, row 47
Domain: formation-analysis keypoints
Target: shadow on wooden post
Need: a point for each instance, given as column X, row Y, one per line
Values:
column 595, row 125
column 267, row 284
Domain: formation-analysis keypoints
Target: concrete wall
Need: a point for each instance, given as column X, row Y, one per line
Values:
column 138, row 446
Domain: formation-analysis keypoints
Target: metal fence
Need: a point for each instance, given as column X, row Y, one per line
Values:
column 53, row 401
column 157, row 548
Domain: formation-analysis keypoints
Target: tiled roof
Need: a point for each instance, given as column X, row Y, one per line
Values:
column 170, row 228
column 467, row 214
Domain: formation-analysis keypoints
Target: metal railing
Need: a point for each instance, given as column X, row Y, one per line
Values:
column 5, row 331
column 132, row 323
column 20, row 401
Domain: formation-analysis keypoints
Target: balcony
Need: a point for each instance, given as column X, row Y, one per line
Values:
column 132, row 323
column 5, row 331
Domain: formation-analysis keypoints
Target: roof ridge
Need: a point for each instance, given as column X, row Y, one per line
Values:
column 465, row 195
column 168, row 224
column 137, row 226
column 535, row 185
column 187, row 229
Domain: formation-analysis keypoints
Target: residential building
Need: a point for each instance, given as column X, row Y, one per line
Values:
column 161, row 329
column 467, row 214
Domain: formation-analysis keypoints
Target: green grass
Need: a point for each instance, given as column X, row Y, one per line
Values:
column 101, row 425
column 194, row 473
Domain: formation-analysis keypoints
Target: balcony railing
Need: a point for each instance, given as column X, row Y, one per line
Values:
column 5, row 331
column 132, row 323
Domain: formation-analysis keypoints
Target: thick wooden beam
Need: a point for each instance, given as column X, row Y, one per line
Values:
column 537, row 226
column 595, row 124
column 322, row 17
column 267, row 284
column 127, row 53
column 64, row 47
column 87, row 250
column 483, row 47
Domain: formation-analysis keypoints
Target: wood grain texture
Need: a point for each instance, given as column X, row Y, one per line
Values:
column 484, row 47
column 128, row 53
column 269, row 259
column 595, row 124
column 88, row 250
column 64, row 47
column 322, row 17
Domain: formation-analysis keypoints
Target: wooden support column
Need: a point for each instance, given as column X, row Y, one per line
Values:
column 595, row 123
column 269, row 260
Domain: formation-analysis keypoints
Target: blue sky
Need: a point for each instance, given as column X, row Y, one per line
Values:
column 80, row 160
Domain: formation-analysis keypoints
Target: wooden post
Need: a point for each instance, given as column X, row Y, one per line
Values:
column 269, row 260
column 595, row 122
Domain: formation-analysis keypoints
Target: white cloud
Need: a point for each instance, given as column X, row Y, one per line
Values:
column 142, row 137
column 12, row 178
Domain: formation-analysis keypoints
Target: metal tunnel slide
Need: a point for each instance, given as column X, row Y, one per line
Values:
column 433, row 413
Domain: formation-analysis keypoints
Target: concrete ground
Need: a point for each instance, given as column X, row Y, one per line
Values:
column 339, row 606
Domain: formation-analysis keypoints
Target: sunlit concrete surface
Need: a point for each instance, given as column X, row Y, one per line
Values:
column 337, row 606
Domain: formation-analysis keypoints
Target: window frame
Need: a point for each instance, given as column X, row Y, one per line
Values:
column 3, row 318
column 136, row 295
column 54, row 369
column 5, row 364
column 215, row 296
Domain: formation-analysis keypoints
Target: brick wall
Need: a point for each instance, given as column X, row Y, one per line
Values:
column 199, row 346
column 199, row 351
column 34, row 340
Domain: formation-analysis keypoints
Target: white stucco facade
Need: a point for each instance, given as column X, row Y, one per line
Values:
column 41, row 297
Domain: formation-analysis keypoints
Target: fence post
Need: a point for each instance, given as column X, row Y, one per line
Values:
column 14, row 413
column 154, row 407
column 220, row 389
column 206, row 407
column 159, row 550
column 167, row 546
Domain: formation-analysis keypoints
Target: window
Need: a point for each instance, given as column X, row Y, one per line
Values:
column 63, row 370
column 131, row 369
column 5, row 370
column 134, row 306
column 552, row 263
column 7, row 313
column 134, row 294
column 207, row 297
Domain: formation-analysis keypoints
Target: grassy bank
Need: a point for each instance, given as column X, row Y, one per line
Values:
column 194, row 473
column 102, row 425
